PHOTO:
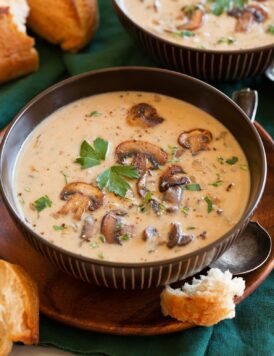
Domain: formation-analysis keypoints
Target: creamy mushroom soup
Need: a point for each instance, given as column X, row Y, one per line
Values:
column 206, row 24
column 130, row 177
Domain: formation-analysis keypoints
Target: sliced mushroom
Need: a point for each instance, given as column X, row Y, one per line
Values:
column 171, row 177
column 112, row 227
column 142, row 185
column 172, row 197
column 156, row 155
column 195, row 140
column 249, row 15
column 195, row 19
column 177, row 237
column 151, row 236
column 80, row 197
column 88, row 227
column 143, row 115
column 140, row 162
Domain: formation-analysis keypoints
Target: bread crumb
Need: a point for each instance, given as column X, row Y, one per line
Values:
column 206, row 301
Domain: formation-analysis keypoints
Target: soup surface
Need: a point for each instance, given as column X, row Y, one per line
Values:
column 206, row 24
column 130, row 177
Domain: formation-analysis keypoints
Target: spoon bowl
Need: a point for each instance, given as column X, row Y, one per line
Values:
column 248, row 253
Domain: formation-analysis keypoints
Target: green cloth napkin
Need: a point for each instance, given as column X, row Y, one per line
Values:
column 252, row 332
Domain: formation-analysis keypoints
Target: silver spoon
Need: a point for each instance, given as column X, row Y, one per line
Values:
column 253, row 247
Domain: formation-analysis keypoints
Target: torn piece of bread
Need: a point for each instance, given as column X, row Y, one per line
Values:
column 70, row 23
column 19, row 307
column 17, row 55
column 206, row 301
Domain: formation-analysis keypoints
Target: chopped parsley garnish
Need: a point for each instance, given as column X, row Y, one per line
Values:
column 124, row 237
column 173, row 151
column 93, row 114
column 194, row 187
column 220, row 160
column 119, row 226
column 270, row 29
column 92, row 156
column 220, row 6
column 185, row 210
column 42, row 203
column 65, row 176
column 187, row 34
column 232, row 160
column 27, row 189
column 101, row 256
column 147, row 196
column 228, row 40
column 209, row 204
column 244, row 167
column 217, row 183
column 59, row 227
column 113, row 179
column 191, row 228
column 162, row 208
column 102, row 238
column 93, row 245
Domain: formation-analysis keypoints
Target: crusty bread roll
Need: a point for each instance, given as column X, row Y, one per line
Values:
column 19, row 307
column 17, row 55
column 70, row 23
column 206, row 301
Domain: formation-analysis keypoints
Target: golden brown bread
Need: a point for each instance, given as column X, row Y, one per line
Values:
column 19, row 307
column 17, row 55
column 206, row 301
column 70, row 23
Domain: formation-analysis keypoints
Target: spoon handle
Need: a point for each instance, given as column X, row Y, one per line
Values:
column 247, row 99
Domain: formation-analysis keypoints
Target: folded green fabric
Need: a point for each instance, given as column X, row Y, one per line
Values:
column 252, row 332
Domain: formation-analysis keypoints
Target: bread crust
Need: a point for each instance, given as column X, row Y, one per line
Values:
column 199, row 309
column 69, row 23
column 17, row 55
column 26, row 319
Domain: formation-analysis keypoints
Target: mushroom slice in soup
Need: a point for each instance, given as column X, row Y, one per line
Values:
column 156, row 155
column 88, row 227
column 250, row 14
column 171, row 177
column 177, row 237
column 114, row 229
column 172, row 197
column 141, row 185
column 195, row 140
column 140, row 162
column 152, row 237
column 80, row 197
column 195, row 16
column 143, row 115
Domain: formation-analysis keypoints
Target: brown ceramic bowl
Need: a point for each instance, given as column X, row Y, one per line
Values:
column 203, row 96
column 209, row 65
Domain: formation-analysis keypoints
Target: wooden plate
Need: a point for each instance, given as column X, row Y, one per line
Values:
column 78, row 304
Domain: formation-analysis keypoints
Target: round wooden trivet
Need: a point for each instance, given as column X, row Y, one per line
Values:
column 78, row 304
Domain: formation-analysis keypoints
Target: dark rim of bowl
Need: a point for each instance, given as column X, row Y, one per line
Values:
column 206, row 248
column 174, row 44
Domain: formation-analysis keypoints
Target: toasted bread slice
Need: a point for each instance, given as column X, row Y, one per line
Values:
column 17, row 55
column 207, row 301
column 19, row 313
column 70, row 23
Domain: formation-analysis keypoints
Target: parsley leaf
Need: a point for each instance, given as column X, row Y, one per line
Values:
column 232, row 160
column 209, row 204
column 93, row 113
column 113, row 179
column 194, row 187
column 220, row 6
column 217, row 183
column 42, row 203
column 58, row 227
column 270, row 29
column 92, row 156
column 228, row 40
